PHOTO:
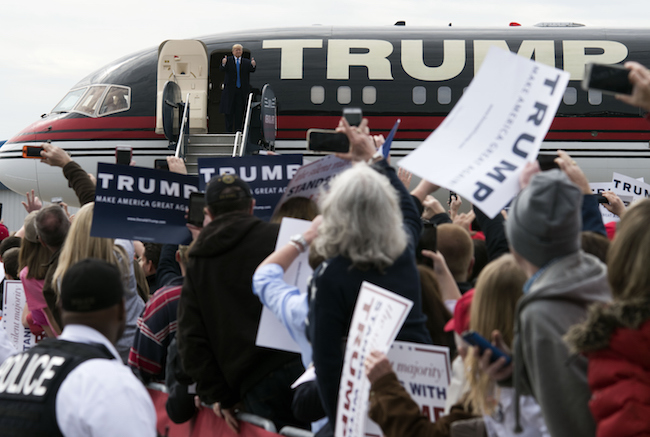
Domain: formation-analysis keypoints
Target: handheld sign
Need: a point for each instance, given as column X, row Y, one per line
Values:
column 312, row 178
column 627, row 186
column 425, row 373
column 495, row 128
column 143, row 204
column 268, row 176
column 378, row 316
column 13, row 303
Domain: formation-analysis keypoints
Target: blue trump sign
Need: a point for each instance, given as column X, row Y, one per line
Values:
column 143, row 204
column 267, row 175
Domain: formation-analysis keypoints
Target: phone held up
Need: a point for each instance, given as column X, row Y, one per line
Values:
column 327, row 141
column 195, row 214
column 475, row 339
column 161, row 164
column 33, row 152
column 610, row 79
column 353, row 116
column 123, row 155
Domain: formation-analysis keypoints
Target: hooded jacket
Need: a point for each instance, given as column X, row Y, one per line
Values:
column 616, row 340
column 218, row 314
column 544, row 367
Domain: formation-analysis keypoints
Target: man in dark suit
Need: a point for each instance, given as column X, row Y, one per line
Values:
column 236, row 87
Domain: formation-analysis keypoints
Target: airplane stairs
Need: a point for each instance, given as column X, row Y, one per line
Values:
column 209, row 146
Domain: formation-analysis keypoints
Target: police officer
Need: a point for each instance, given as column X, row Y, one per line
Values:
column 76, row 384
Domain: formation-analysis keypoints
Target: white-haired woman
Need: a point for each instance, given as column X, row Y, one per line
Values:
column 369, row 232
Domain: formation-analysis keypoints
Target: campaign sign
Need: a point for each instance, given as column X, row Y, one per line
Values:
column 495, row 128
column 268, row 176
column 627, row 186
column 378, row 316
column 13, row 303
column 425, row 373
column 312, row 178
column 143, row 204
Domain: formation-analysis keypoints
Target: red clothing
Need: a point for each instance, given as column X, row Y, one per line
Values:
column 616, row 340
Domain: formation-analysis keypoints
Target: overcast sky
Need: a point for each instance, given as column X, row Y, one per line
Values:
column 48, row 46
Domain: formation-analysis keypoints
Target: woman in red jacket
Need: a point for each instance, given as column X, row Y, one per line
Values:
column 616, row 337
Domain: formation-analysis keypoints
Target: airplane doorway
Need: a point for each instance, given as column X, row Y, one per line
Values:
column 216, row 120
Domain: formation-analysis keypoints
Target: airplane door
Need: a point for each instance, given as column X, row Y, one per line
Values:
column 216, row 121
column 185, row 62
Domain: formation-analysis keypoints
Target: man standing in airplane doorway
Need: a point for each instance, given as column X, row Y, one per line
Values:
column 236, row 87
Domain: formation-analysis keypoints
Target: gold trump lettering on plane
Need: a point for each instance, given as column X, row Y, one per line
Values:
column 343, row 54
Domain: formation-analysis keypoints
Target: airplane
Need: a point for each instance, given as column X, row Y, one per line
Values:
column 415, row 74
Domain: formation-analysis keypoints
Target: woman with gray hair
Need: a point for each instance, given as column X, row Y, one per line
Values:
column 369, row 232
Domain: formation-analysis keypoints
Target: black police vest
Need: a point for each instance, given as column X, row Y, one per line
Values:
column 30, row 380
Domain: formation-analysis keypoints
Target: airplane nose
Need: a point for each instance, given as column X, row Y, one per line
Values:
column 16, row 172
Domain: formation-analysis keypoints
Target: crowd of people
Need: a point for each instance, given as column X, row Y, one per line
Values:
column 565, row 309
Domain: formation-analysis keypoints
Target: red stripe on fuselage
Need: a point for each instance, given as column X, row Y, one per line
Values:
column 290, row 127
column 86, row 128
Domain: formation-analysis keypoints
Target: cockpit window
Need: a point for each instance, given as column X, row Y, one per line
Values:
column 117, row 99
column 69, row 101
column 88, row 104
column 96, row 100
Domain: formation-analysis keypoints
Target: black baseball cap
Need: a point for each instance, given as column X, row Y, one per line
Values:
column 91, row 285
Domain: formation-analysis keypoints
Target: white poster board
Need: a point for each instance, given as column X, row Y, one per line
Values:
column 425, row 373
column 496, row 127
column 13, row 303
column 271, row 333
column 378, row 316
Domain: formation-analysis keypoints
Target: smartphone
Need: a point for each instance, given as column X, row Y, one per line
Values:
column 452, row 196
column 476, row 339
column 547, row 162
column 353, row 116
column 0, row 211
column 325, row 140
column 57, row 200
column 123, row 155
column 428, row 241
column 195, row 214
column 161, row 164
column 610, row 79
column 602, row 199
column 33, row 152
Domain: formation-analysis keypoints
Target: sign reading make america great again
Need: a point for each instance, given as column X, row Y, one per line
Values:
column 143, row 204
column 268, row 176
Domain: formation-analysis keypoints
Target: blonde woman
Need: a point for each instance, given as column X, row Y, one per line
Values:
column 80, row 245
column 498, row 288
column 32, row 265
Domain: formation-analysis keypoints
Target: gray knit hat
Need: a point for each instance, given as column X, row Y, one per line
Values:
column 545, row 219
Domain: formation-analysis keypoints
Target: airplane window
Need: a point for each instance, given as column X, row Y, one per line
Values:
column 317, row 95
column 88, row 104
column 570, row 96
column 444, row 95
column 70, row 99
column 344, row 95
column 369, row 95
column 419, row 95
column 595, row 97
column 117, row 99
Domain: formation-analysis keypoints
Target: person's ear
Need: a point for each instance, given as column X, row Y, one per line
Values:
column 252, row 207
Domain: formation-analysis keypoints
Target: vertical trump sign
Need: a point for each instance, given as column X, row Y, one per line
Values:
column 497, row 127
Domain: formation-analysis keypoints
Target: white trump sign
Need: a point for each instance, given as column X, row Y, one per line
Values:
column 497, row 126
